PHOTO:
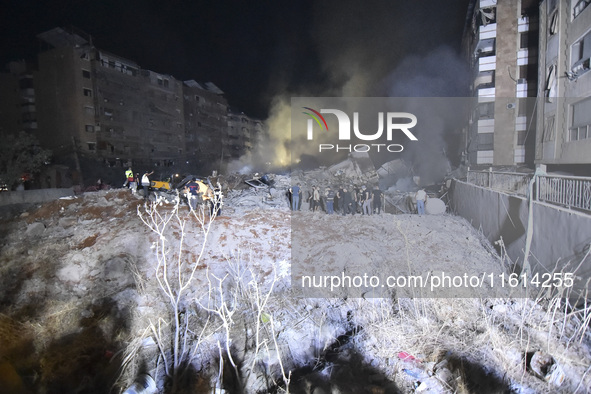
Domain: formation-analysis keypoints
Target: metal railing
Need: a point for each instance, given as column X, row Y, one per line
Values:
column 511, row 182
column 567, row 191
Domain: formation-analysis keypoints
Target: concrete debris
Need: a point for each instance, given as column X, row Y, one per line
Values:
column 35, row 229
column 358, row 167
column 435, row 206
column 392, row 171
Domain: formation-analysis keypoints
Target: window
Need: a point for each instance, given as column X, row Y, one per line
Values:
column 551, row 83
column 521, row 136
column 91, row 146
column 523, row 41
column 581, row 121
column 580, row 54
column 523, row 72
column 579, row 6
column 86, row 74
column 553, row 23
column 87, row 92
column 486, row 110
column 88, row 110
column 485, row 141
column 89, row 128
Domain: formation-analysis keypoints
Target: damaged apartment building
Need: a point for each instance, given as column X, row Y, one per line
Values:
column 531, row 84
column 564, row 109
column 501, row 43
column 98, row 112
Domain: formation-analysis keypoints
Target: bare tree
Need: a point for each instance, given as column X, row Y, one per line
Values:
column 175, row 273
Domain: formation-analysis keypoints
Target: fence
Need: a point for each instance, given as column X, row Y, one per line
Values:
column 510, row 182
column 567, row 191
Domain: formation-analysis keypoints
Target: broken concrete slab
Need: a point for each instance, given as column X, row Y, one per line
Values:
column 435, row 206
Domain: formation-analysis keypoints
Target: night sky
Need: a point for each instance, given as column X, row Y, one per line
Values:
column 257, row 50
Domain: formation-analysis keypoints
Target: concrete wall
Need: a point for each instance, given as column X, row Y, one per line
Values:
column 561, row 237
column 33, row 196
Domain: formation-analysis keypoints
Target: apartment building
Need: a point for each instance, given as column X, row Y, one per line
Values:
column 243, row 131
column 104, row 106
column 564, row 115
column 98, row 110
column 206, row 111
column 17, row 99
column 501, row 40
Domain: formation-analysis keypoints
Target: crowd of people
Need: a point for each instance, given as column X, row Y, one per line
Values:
column 344, row 200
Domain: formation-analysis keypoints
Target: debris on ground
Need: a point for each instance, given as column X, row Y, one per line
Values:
column 81, row 308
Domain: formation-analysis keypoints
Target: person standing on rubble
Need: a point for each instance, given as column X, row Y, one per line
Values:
column 421, row 197
column 191, row 191
column 295, row 197
column 341, row 200
column 354, row 199
column 329, row 194
column 129, row 178
column 367, row 196
column 316, row 197
column 377, row 199
column 217, row 202
column 346, row 202
column 146, row 184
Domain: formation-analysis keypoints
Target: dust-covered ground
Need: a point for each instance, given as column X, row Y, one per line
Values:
column 91, row 297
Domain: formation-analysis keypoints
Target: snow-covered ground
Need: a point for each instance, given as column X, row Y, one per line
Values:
column 82, row 308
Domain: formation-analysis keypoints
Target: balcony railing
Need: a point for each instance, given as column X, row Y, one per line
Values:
column 567, row 191
column 511, row 182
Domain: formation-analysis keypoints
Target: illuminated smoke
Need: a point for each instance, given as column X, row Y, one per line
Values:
column 374, row 50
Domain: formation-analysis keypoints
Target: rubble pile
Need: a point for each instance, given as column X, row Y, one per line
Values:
column 79, row 295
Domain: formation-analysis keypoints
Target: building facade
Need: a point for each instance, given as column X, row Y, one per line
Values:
column 206, row 112
column 501, row 40
column 243, row 131
column 95, row 109
column 564, row 115
column 17, row 99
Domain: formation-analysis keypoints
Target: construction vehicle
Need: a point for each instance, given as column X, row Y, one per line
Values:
column 166, row 184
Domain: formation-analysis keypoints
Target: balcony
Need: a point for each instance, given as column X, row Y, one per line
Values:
column 486, row 92
column 486, row 126
column 523, row 24
column 485, row 47
column 487, row 32
column 524, row 56
column 521, row 90
column 487, row 63
column 487, row 3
